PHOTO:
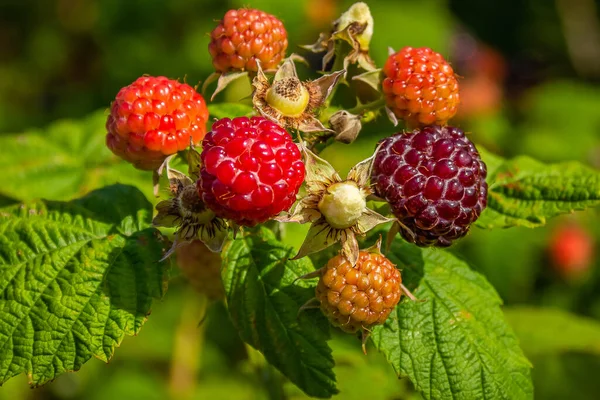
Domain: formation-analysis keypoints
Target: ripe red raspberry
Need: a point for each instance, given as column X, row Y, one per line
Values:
column 251, row 170
column 153, row 118
column 434, row 180
column 359, row 297
column 420, row 87
column 244, row 36
column 572, row 251
column 202, row 268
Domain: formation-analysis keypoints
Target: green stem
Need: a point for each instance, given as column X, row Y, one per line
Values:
column 338, row 65
column 372, row 106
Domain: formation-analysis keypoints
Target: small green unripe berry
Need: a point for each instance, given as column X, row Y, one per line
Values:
column 342, row 204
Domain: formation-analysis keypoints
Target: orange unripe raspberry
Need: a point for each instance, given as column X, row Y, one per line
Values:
column 420, row 87
column 202, row 268
column 359, row 297
column 245, row 36
column 153, row 118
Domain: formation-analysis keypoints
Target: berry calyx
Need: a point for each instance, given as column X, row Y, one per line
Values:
column 343, row 204
column 291, row 102
column 434, row 181
column 153, row 118
column 186, row 211
column 420, row 87
column 245, row 37
column 251, row 170
column 335, row 208
column 359, row 297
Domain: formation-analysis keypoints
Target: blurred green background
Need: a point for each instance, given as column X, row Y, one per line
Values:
column 530, row 75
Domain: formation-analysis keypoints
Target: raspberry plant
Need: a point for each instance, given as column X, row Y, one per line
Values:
column 80, row 272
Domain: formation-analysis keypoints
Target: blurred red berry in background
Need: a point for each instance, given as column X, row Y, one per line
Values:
column 571, row 250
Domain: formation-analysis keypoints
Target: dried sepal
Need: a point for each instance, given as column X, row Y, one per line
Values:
column 319, row 237
column 323, row 86
column 289, row 101
column 223, row 80
column 322, row 44
column 302, row 216
column 319, row 173
column 371, row 78
column 375, row 248
column 392, row 117
column 194, row 162
column 286, row 70
column 361, row 172
column 371, row 219
column 350, row 248
column 167, row 215
column 178, row 180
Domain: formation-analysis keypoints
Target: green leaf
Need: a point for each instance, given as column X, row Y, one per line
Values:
column 230, row 110
column 454, row 342
column 544, row 331
column 526, row 192
column 264, row 298
column 67, row 159
column 75, row 278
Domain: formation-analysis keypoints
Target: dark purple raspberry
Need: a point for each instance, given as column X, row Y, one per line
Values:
column 434, row 180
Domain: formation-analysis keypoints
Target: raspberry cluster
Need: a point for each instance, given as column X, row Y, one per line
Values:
column 434, row 180
column 153, row 118
column 246, row 36
column 359, row 297
column 251, row 170
column 420, row 87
